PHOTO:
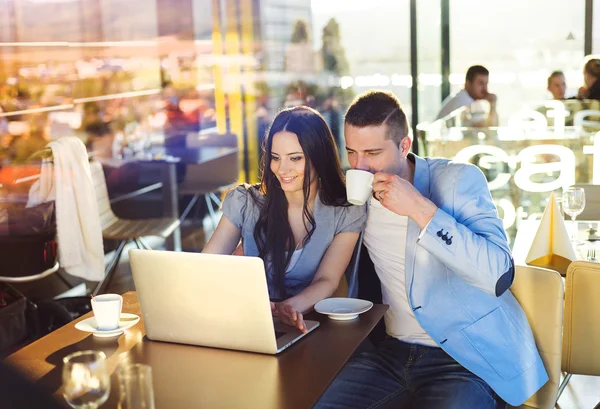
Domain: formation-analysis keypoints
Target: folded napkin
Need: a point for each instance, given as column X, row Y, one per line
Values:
column 551, row 247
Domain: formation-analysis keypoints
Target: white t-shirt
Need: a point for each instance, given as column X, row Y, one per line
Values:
column 477, row 111
column 385, row 238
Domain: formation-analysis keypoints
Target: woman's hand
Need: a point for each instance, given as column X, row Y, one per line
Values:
column 289, row 315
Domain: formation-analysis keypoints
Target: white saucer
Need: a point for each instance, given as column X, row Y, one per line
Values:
column 90, row 325
column 343, row 308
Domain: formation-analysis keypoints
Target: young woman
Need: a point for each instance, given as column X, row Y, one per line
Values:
column 297, row 219
column 591, row 76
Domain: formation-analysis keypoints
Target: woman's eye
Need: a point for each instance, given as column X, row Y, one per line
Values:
column 296, row 158
column 275, row 158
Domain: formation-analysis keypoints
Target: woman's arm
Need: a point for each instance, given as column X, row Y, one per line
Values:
column 224, row 240
column 326, row 281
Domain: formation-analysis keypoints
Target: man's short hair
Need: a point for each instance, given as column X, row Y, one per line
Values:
column 374, row 108
column 476, row 70
column 554, row 75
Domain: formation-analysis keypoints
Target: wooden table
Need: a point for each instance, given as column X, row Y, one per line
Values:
column 197, row 377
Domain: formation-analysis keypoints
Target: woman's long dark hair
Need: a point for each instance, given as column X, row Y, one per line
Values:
column 273, row 233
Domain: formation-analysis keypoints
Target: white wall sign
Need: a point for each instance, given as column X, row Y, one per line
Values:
column 529, row 167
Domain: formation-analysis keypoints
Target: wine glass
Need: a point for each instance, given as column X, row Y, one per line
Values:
column 573, row 204
column 86, row 382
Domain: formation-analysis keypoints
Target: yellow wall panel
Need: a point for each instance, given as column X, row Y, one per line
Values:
column 249, row 78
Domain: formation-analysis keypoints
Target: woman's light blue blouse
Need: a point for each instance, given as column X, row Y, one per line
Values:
column 243, row 211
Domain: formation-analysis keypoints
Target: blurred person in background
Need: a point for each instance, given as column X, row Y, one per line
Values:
column 331, row 113
column 97, row 129
column 3, row 125
column 5, row 136
column 262, row 120
column 178, row 123
column 557, row 85
column 297, row 94
column 475, row 90
column 591, row 74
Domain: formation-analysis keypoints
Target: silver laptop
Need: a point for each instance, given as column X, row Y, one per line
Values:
column 209, row 300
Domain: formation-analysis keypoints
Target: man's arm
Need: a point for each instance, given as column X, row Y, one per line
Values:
column 450, row 105
column 492, row 119
column 492, row 116
column 472, row 242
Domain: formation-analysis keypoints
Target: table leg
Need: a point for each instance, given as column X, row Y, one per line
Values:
column 171, row 203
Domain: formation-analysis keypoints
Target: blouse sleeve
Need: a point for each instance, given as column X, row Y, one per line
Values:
column 352, row 219
column 235, row 204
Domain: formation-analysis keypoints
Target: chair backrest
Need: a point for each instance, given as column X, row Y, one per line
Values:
column 541, row 292
column 592, row 202
column 107, row 217
column 581, row 334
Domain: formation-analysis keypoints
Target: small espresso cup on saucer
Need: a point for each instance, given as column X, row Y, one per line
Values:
column 359, row 184
column 107, row 311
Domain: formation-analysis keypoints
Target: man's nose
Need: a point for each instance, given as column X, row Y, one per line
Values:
column 362, row 163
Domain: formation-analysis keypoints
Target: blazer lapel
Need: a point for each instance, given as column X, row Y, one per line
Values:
column 421, row 183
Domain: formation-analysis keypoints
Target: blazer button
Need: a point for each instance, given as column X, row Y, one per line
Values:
column 449, row 241
column 439, row 233
column 445, row 236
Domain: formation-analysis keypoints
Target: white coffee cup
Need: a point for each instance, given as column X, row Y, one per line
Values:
column 107, row 310
column 359, row 184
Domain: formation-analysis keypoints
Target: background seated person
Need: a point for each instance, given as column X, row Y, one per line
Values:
column 591, row 74
column 475, row 90
column 557, row 85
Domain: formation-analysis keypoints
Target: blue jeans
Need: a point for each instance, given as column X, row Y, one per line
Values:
column 407, row 376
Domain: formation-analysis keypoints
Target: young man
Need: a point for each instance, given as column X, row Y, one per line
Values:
column 557, row 85
column 475, row 90
column 457, row 338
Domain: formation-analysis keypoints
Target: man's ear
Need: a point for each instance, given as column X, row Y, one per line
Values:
column 405, row 145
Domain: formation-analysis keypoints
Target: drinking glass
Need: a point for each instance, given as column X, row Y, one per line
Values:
column 86, row 382
column 137, row 392
column 573, row 204
column 559, row 203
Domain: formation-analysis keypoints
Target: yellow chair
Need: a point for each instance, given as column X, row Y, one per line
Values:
column 581, row 333
column 541, row 292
